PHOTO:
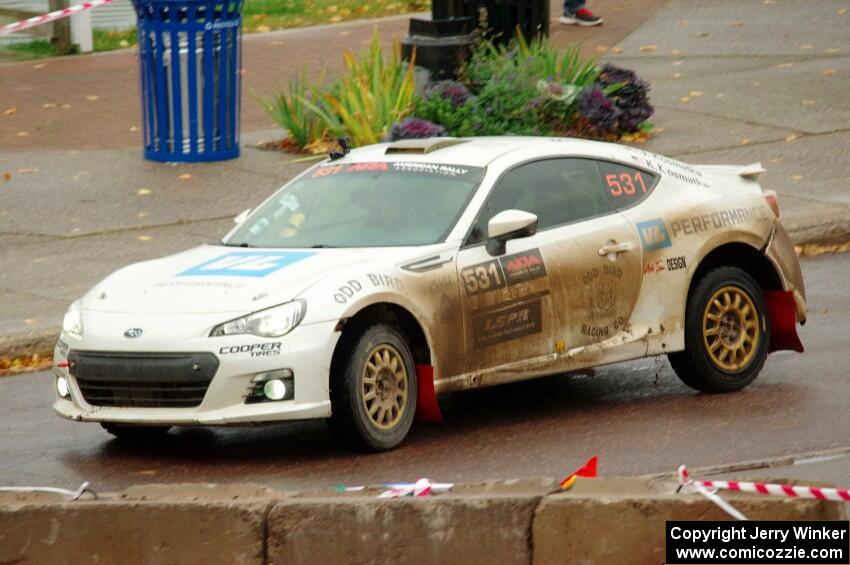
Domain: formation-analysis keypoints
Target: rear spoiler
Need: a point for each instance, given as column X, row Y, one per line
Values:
column 751, row 171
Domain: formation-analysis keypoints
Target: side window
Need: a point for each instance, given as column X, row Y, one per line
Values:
column 558, row 191
column 624, row 186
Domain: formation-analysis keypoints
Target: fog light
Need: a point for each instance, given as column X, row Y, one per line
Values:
column 62, row 388
column 274, row 389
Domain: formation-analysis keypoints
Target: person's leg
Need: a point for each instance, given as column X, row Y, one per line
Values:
column 572, row 6
column 576, row 13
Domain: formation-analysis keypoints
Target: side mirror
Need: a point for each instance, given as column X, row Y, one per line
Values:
column 507, row 225
column 242, row 216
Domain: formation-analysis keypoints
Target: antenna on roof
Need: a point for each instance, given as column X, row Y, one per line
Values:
column 344, row 149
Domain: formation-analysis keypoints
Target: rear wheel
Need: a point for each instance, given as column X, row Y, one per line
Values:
column 373, row 390
column 726, row 333
column 135, row 433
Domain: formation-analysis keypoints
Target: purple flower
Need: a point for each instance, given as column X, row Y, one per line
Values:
column 599, row 110
column 632, row 97
column 535, row 102
column 450, row 90
column 414, row 128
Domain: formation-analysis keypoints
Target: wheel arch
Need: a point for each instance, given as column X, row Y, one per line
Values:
column 741, row 255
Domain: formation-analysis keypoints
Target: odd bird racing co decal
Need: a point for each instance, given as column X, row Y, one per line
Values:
column 246, row 264
column 509, row 322
column 506, row 271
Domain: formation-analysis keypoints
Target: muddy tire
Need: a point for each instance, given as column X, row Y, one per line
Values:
column 726, row 333
column 140, row 434
column 373, row 389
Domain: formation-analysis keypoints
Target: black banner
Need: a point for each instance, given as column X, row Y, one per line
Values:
column 757, row 542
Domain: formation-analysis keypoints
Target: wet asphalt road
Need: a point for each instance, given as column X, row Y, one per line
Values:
column 636, row 416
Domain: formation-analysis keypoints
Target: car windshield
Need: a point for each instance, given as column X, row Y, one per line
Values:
column 376, row 204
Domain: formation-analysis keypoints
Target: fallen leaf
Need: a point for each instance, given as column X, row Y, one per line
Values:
column 756, row 83
column 703, row 34
column 806, row 46
column 66, row 106
column 785, row 65
column 675, row 52
column 685, row 99
column 832, row 50
column 7, row 176
column 27, row 170
column 10, row 111
column 344, row 33
column 808, row 102
column 745, row 142
column 144, row 191
column 332, row 9
column 841, row 11
column 770, row 2
column 677, row 75
column 720, row 95
column 92, row 97
column 736, row 24
column 695, row 93
column 677, row 63
column 792, row 137
column 39, row 66
column 29, row 321
column 134, row 128
column 123, row 43
column 616, row 50
column 829, row 72
column 48, row 105
column 601, row 48
column 647, row 48
column 144, row 238
column 184, row 176
column 142, row 215
column 683, row 23
column 775, row 160
column 796, row 177
column 335, row 19
column 263, row 29
column 276, row 43
column 23, row 134
column 627, row 138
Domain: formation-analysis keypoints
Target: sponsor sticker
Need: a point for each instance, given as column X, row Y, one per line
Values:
column 654, row 235
column 246, row 264
column 269, row 349
column 523, row 267
column 505, row 324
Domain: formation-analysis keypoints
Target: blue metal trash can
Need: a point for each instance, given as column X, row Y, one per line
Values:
column 190, row 55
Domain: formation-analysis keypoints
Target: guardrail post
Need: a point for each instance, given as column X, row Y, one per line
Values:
column 81, row 30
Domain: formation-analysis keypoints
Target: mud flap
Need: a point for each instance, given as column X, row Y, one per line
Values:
column 427, row 408
column 782, row 313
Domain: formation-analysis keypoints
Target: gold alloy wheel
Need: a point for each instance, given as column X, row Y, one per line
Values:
column 730, row 329
column 384, row 386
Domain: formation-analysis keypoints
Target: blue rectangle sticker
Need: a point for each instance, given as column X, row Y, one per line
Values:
column 246, row 264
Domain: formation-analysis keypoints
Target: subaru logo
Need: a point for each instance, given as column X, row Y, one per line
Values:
column 133, row 332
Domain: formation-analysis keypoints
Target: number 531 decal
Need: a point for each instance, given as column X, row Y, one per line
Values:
column 625, row 183
column 483, row 277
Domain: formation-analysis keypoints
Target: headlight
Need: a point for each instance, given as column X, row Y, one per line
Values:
column 73, row 322
column 271, row 322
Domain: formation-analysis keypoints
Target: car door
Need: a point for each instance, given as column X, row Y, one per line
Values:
column 573, row 283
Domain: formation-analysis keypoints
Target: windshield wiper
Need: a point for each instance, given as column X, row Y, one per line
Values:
column 243, row 244
column 322, row 246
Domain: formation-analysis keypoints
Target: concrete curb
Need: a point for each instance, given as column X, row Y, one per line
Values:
column 602, row 520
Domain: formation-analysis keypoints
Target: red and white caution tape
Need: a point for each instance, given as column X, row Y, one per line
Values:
column 687, row 483
column 791, row 491
column 52, row 16
column 73, row 494
column 422, row 487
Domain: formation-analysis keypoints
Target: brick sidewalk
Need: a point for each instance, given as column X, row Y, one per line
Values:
column 113, row 118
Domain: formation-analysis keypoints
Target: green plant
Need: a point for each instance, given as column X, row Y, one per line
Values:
column 291, row 113
column 373, row 94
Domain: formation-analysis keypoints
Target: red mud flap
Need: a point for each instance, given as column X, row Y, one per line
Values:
column 783, row 321
column 427, row 408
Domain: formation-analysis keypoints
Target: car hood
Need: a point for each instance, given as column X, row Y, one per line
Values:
column 215, row 278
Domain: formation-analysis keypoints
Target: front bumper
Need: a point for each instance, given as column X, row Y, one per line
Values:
column 306, row 351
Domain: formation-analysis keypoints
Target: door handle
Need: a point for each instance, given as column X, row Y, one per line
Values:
column 615, row 248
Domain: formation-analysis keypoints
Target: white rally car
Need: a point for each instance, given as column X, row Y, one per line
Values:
column 383, row 276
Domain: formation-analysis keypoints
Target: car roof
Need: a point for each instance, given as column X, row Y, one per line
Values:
column 470, row 151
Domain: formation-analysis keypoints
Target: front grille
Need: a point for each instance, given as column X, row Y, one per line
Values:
column 143, row 380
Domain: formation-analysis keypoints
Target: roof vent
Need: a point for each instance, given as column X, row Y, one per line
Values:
column 422, row 146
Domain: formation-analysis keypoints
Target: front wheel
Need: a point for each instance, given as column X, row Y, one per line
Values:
column 373, row 390
column 726, row 333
